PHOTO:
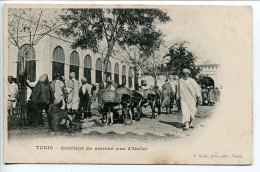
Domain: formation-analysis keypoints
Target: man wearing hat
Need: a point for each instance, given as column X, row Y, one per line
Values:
column 73, row 94
column 58, row 88
column 85, row 97
column 167, row 93
column 189, row 95
column 12, row 95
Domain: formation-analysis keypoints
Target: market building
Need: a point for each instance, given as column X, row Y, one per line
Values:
column 53, row 54
column 211, row 70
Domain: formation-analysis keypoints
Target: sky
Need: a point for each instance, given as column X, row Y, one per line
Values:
column 207, row 29
column 210, row 30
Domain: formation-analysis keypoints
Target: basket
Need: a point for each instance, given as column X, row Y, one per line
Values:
column 108, row 96
column 121, row 91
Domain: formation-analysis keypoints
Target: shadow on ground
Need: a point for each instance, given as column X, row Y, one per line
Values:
column 175, row 124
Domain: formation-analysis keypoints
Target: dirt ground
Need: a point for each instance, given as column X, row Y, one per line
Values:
column 164, row 127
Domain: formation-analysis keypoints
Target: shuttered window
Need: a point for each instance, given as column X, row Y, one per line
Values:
column 116, row 73
column 74, row 63
column 98, row 70
column 58, row 61
column 130, row 77
column 123, row 75
column 26, row 62
column 87, row 68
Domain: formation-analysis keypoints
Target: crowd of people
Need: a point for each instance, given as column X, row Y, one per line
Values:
column 66, row 101
column 187, row 95
column 62, row 101
column 210, row 95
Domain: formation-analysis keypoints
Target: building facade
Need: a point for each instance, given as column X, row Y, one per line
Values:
column 53, row 55
column 211, row 69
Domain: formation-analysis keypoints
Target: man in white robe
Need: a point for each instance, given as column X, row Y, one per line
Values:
column 12, row 95
column 72, row 87
column 189, row 94
column 59, row 90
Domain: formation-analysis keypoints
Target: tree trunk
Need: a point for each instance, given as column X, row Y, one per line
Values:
column 136, row 84
column 106, row 60
column 155, row 81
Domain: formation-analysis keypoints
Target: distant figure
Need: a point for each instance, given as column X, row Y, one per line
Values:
column 204, row 94
column 111, row 85
column 72, row 87
column 167, row 93
column 217, row 93
column 189, row 95
column 174, row 84
column 12, row 95
column 211, row 96
column 42, row 97
column 158, row 90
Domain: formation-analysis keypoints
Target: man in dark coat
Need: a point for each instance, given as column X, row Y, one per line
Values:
column 84, row 98
column 42, row 97
column 167, row 93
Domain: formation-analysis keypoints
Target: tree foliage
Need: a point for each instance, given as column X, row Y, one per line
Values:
column 30, row 25
column 181, row 58
column 117, row 27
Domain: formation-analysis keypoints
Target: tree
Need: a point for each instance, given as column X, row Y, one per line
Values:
column 154, row 68
column 141, row 58
column 121, row 27
column 28, row 26
column 181, row 58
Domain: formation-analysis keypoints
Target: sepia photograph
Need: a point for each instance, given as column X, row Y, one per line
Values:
column 122, row 84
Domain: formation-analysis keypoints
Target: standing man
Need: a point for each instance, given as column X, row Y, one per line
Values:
column 111, row 85
column 42, row 97
column 189, row 95
column 73, row 94
column 204, row 94
column 85, row 98
column 174, row 84
column 167, row 93
column 59, row 90
column 211, row 96
column 217, row 92
column 12, row 95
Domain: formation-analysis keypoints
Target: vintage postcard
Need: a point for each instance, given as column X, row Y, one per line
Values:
column 126, row 84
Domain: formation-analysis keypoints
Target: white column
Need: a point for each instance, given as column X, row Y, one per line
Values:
column 66, row 71
column 93, row 76
column 112, row 76
column 120, row 79
column 81, row 72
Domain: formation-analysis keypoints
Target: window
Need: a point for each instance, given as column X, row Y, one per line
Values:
column 98, row 70
column 74, row 63
column 130, row 77
column 108, row 69
column 58, row 61
column 26, row 62
column 87, row 68
column 116, row 73
column 123, row 75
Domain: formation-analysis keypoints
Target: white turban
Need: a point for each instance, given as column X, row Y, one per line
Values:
column 72, row 75
column 83, row 79
column 186, row 70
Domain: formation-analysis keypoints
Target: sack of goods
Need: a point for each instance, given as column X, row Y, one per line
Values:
column 108, row 96
column 121, row 91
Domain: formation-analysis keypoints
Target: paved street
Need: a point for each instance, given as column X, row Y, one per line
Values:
column 166, row 126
